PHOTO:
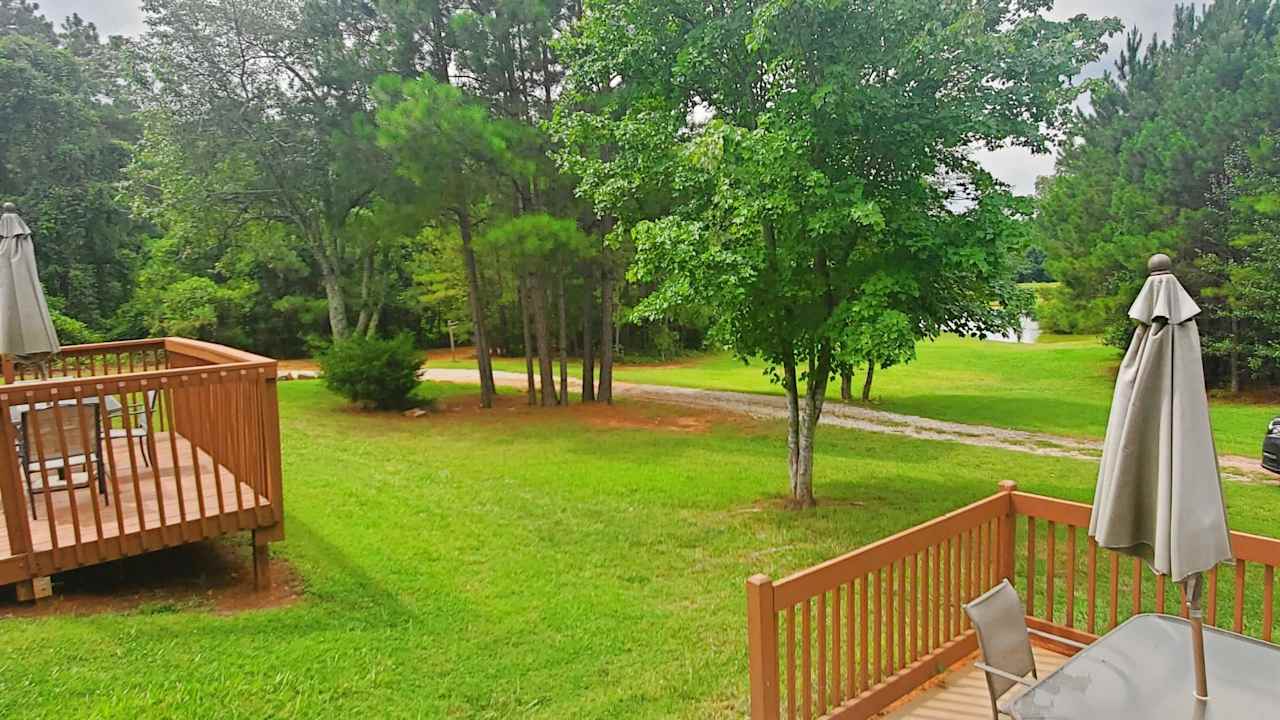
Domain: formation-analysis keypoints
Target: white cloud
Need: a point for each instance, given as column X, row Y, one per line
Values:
column 113, row 17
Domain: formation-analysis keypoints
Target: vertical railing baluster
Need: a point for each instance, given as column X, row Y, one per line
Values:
column 1238, row 624
column 1071, row 576
column 1031, row 566
column 1050, row 573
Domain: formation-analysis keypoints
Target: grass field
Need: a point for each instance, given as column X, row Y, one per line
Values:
column 548, row 563
column 1061, row 385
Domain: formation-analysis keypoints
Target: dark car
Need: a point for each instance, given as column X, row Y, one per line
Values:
column 1271, row 447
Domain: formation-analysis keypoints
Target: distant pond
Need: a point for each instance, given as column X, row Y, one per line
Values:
column 1030, row 333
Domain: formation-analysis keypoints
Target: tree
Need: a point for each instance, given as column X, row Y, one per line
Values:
column 452, row 149
column 815, row 178
column 64, row 136
column 1143, row 173
column 280, row 92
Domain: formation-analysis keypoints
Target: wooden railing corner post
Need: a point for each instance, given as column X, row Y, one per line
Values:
column 1007, row 524
column 762, row 648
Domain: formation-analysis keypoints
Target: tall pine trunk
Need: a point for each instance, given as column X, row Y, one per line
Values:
column 532, row 389
column 542, row 338
column 564, row 343
column 605, row 393
column 588, row 352
column 483, row 362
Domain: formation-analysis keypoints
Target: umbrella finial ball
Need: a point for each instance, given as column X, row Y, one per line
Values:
column 1159, row 264
column 10, row 207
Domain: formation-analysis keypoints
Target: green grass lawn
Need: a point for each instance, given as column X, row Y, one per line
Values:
column 545, row 563
column 1060, row 385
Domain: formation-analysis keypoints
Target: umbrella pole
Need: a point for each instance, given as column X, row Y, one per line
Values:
column 1193, row 587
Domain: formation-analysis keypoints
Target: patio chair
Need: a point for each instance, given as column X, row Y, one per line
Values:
column 41, row 449
column 137, row 426
column 1005, row 641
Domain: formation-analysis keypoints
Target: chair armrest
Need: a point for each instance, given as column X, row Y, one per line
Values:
column 1000, row 673
column 1057, row 639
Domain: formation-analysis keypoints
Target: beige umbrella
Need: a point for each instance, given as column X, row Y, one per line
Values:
column 26, row 331
column 1159, row 495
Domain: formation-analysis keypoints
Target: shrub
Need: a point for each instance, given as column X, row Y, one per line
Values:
column 374, row 372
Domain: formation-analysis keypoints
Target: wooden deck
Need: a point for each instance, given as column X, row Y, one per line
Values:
column 961, row 693
column 165, row 508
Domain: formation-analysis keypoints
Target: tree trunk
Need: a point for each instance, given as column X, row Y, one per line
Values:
column 564, row 344
column 799, row 468
column 1235, row 355
column 338, row 326
column 532, row 389
column 846, row 385
column 543, row 340
column 483, row 362
column 871, row 374
column 588, row 352
column 605, row 393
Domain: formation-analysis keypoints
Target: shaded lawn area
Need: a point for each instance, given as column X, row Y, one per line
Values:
column 546, row 563
column 1061, row 385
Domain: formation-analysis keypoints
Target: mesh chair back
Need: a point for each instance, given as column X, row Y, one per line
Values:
column 998, row 618
column 63, row 433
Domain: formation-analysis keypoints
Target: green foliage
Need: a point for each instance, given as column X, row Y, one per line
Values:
column 1150, row 170
column 596, row 568
column 373, row 372
column 64, row 129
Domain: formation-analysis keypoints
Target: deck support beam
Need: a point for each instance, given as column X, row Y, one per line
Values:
column 261, row 562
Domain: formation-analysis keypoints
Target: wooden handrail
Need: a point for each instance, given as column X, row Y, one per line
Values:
column 214, row 419
column 853, row 602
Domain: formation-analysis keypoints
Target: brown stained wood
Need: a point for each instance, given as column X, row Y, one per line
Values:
column 837, row 686
column 1050, row 573
column 914, row 628
column 1135, row 589
column 806, row 661
column 824, row 576
column 851, row 672
column 155, row 464
column 957, row 582
column 864, row 655
column 1211, row 616
column 791, row 662
column 1238, row 614
column 903, row 598
column 1070, row 618
column 113, row 473
column 1031, row 567
column 86, row 416
column 822, row 654
column 962, row 693
column 1160, row 594
column 877, row 638
column 762, row 634
column 1092, row 623
column 888, row 666
column 1268, row 598
column 935, row 596
column 63, row 452
column 1115, row 590
column 132, row 521
column 894, row 688
column 34, row 432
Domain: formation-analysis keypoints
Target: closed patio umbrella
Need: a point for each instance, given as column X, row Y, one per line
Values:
column 26, row 331
column 1159, row 495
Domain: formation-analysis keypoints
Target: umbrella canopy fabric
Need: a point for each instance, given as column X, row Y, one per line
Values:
column 25, row 327
column 1159, row 495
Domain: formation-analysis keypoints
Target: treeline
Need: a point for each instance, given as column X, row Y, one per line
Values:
column 282, row 175
column 1179, row 155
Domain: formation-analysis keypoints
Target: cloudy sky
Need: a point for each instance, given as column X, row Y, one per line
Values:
column 1015, row 166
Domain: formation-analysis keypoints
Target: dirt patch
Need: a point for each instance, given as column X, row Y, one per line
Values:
column 628, row 415
column 462, row 352
column 305, row 366
column 215, row 575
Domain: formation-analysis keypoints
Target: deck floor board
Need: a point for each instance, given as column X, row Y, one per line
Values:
column 961, row 693
column 170, row 484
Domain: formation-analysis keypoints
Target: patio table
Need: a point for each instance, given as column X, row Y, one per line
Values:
column 1142, row 669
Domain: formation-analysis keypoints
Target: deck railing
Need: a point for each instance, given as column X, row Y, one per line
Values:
column 196, row 452
column 847, row 638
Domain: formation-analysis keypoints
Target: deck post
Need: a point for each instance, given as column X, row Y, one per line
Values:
column 261, row 562
column 762, row 644
column 35, row 589
column 1007, row 524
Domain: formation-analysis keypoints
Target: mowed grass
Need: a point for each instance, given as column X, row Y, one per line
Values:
column 1061, row 385
column 546, row 563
